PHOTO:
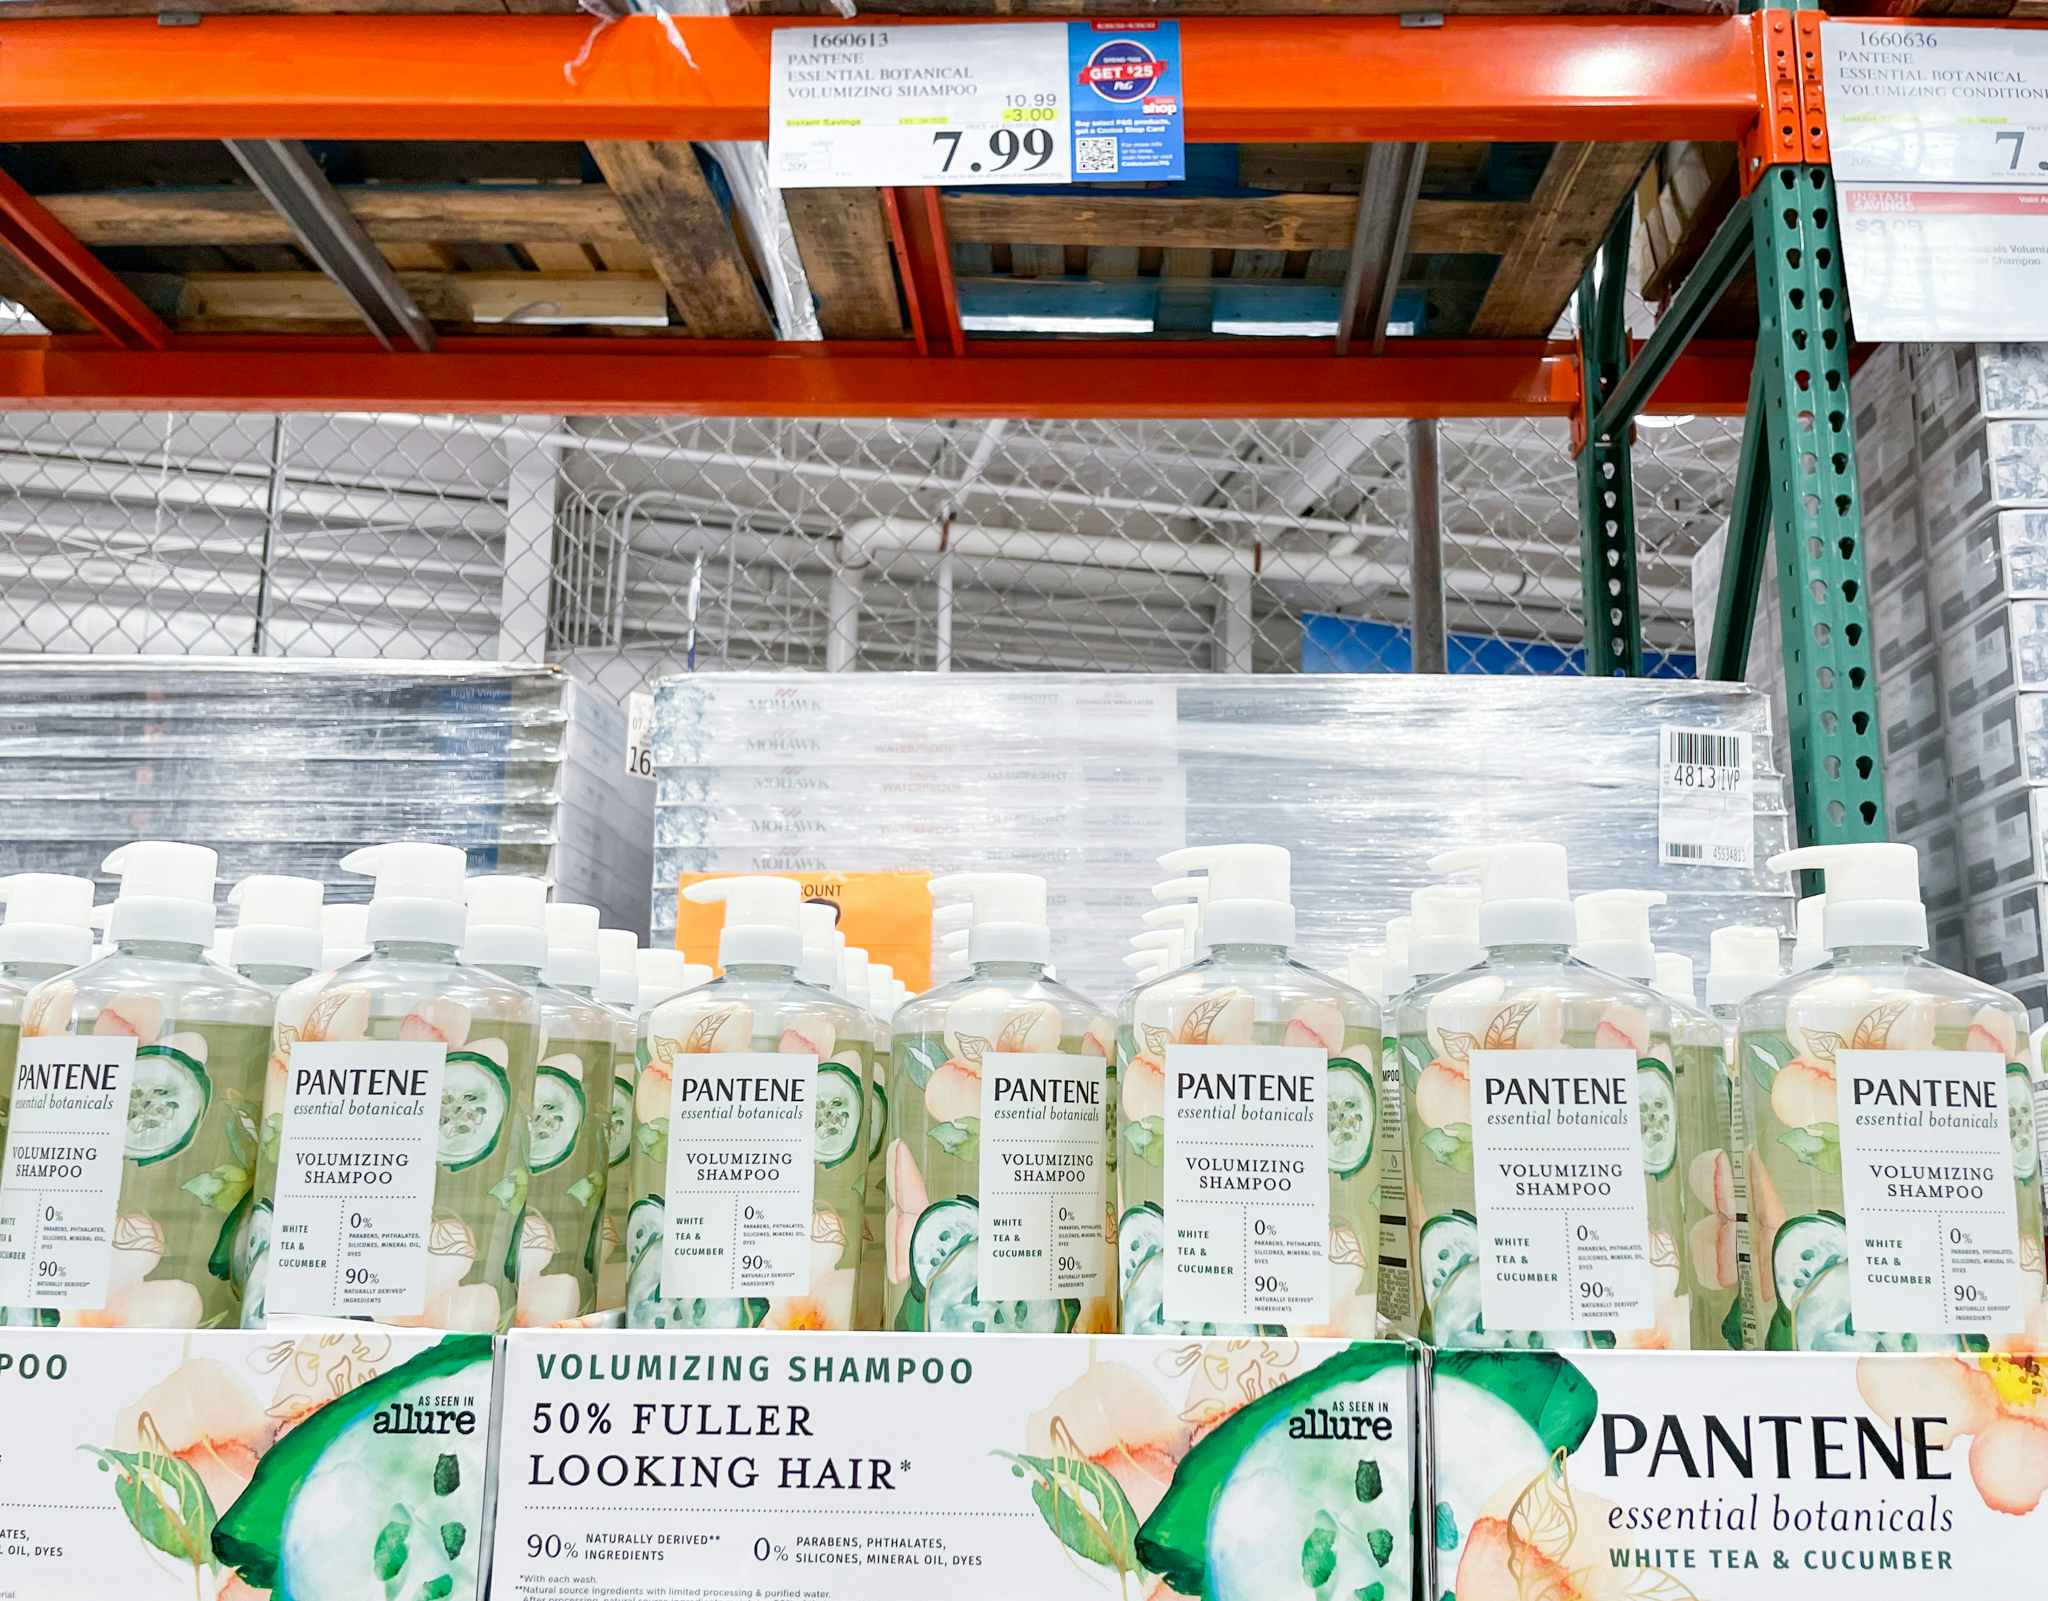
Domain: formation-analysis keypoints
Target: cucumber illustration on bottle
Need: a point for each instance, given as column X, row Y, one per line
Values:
column 997, row 1196
column 618, row 990
column 748, row 1110
column 394, row 1170
column 1543, row 1135
column 1893, row 1162
column 131, row 1138
column 551, row 952
column 1248, row 1159
column 659, row 975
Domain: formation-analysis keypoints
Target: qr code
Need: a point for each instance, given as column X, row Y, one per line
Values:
column 1095, row 155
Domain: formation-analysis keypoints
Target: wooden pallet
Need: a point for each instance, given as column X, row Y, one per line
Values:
column 639, row 239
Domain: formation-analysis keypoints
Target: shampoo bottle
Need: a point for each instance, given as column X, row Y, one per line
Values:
column 1439, row 935
column 659, row 975
column 398, row 1171
column 1894, row 1179
column 1535, row 1172
column 618, row 988
column 48, row 931
column 856, row 988
column 747, row 1147
column 1741, row 959
column 998, row 1214
column 146, row 1065
column 1250, row 1165
column 510, row 933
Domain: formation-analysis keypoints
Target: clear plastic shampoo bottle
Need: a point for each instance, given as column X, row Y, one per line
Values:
column 1894, row 1174
column 1542, row 1128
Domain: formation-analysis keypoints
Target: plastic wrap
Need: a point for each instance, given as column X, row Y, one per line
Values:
column 284, row 767
column 1088, row 778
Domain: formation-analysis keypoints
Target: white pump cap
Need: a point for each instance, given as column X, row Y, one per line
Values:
column 1248, row 892
column 661, row 973
column 344, row 933
column 1146, row 965
column 166, row 892
column 1185, row 918
column 278, row 923
column 572, row 946
column 1741, row 959
column 1365, row 968
column 762, row 919
column 1009, row 915
column 617, row 984
column 818, row 924
column 1614, row 932
column 418, row 894
column 1188, row 887
column 1170, row 944
column 1674, row 978
column 507, row 921
column 49, row 919
column 1808, row 948
column 1873, row 892
column 1397, row 975
column 1525, row 895
column 882, row 973
column 1443, row 930
column 953, row 916
column 853, row 976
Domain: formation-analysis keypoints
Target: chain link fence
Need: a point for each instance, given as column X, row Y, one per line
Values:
column 629, row 548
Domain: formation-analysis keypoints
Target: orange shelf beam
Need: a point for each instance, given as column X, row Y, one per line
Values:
column 1259, row 378
column 1322, row 79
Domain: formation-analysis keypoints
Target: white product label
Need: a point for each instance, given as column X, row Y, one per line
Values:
column 894, row 105
column 1247, row 1184
column 742, row 1169
column 1940, row 151
column 639, row 735
column 1042, row 1136
column 717, row 1466
column 1927, row 1186
column 357, row 1161
column 1706, row 798
column 61, row 1187
column 1557, row 1172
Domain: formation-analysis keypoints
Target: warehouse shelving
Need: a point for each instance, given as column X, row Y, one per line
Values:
column 1595, row 94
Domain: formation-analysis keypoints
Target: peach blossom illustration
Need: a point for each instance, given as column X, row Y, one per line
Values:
column 1544, row 1541
column 1033, row 1026
column 1225, row 1375
column 50, row 1009
column 954, row 1091
column 203, row 1414
column 342, row 1013
column 136, row 1013
column 809, row 1035
column 904, row 1187
column 828, row 1305
column 1991, row 1029
column 972, row 1023
column 1143, row 1093
column 134, row 1300
column 313, row 1369
column 1096, row 1317
column 1443, row 1094
column 1472, row 1016
column 544, row 1298
column 1622, row 1027
column 452, row 1304
column 1767, row 1215
column 1711, row 1239
column 1672, row 1330
column 441, row 1019
column 1317, row 1023
column 1116, row 1418
column 1099, row 1039
column 1354, row 1292
column 1999, row 1401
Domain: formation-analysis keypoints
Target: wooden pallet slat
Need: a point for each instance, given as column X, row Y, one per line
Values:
column 843, row 237
column 390, row 214
column 1268, row 222
column 669, row 202
column 289, row 297
column 1582, row 187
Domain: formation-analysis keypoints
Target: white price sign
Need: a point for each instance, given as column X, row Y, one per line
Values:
column 871, row 105
column 1939, row 141
column 639, row 735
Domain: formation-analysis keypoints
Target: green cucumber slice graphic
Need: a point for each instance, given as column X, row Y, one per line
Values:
column 1353, row 1116
column 837, row 1113
column 166, row 1105
column 557, row 1118
column 476, row 1099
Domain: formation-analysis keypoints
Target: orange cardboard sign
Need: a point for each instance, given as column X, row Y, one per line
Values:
column 888, row 915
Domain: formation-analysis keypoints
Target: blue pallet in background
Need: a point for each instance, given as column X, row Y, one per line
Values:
column 1353, row 645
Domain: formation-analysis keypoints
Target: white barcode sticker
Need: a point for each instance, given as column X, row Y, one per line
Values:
column 1706, row 798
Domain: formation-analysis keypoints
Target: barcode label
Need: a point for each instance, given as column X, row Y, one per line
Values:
column 1706, row 799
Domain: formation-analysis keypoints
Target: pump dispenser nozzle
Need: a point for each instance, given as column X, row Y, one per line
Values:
column 1248, row 900
column 616, row 983
column 953, row 916
column 49, row 919
column 1170, row 944
column 1183, row 918
column 1525, row 893
column 1443, row 930
column 418, row 893
column 1873, row 892
column 166, row 892
column 277, row 922
column 1808, row 948
column 572, row 946
column 853, row 977
column 1009, row 915
column 762, row 919
column 818, row 925
column 1614, row 932
column 1399, row 977
column 344, row 933
column 1741, row 959
column 1674, row 979
column 1365, row 968
column 507, row 921
column 661, row 973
